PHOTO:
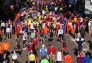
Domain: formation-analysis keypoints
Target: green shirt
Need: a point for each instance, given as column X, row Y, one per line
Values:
column 44, row 61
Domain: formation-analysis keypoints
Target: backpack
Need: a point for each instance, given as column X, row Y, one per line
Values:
column 43, row 51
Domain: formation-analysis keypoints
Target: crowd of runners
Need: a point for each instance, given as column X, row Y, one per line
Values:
column 40, row 23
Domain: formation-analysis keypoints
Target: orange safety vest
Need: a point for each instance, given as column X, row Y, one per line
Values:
column 67, row 59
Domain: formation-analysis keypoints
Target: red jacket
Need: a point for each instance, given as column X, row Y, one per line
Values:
column 51, row 50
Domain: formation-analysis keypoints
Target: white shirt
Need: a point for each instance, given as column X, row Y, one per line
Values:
column 14, row 56
column 43, row 12
column 11, row 26
column 60, row 31
column 24, row 37
column 56, row 8
column 25, row 23
column 8, row 29
column 32, row 26
column 59, row 56
column 3, row 24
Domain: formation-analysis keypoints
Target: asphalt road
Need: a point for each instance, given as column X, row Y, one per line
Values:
column 70, row 43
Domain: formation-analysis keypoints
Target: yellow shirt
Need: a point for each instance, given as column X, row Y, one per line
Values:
column 31, row 57
column 46, row 8
column 54, row 25
column 75, row 19
column 40, row 17
column 35, row 17
column 37, row 23
column 30, row 21
column 61, row 8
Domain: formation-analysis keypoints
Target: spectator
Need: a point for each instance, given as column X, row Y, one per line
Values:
column 3, row 26
column 8, row 32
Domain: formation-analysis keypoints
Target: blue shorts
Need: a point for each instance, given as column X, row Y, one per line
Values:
column 8, row 33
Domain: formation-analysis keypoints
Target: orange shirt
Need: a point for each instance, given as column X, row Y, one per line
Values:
column 46, row 30
column 5, row 45
column 67, row 59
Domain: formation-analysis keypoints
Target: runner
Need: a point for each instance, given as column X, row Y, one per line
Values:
column 68, row 58
column 43, row 51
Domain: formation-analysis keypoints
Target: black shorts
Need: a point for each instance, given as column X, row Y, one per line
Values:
column 60, row 35
column 14, row 60
column 59, row 62
column 32, row 62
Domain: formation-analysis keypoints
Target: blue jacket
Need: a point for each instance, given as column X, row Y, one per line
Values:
column 87, row 59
